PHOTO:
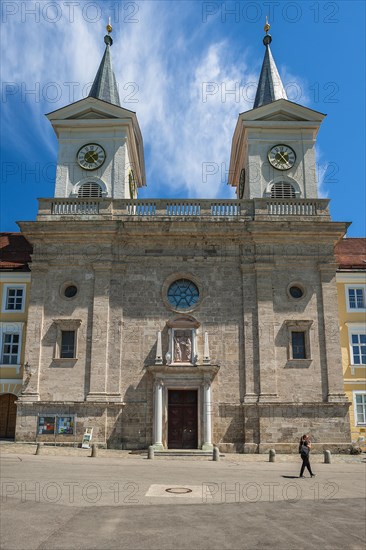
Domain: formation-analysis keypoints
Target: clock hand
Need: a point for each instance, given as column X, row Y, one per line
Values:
column 283, row 158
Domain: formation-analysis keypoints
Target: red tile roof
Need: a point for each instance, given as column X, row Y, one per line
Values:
column 15, row 252
column 351, row 253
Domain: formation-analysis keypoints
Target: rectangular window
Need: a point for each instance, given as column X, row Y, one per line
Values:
column 10, row 349
column 14, row 299
column 356, row 298
column 67, row 344
column 360, row 408
column 298, row 345
column 358, row 349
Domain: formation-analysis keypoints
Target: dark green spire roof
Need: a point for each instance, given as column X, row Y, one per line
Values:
column 105, row 85
column 270, row 87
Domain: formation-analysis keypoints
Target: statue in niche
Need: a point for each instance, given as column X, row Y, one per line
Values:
column 183, row 346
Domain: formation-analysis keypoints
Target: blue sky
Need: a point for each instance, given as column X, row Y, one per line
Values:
column 176, row 63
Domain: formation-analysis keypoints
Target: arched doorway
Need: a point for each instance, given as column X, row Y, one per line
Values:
column 8, row 414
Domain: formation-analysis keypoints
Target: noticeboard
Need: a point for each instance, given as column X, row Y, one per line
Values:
column 65, row 425
column 46, row 425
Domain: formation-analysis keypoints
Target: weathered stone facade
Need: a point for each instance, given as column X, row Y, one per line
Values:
column 243, row 269
column 253, row 359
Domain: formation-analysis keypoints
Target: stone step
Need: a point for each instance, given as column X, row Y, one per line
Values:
column 183, row 452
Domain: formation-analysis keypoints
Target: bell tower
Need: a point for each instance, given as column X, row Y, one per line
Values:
column 100, row 143
column 273, row 147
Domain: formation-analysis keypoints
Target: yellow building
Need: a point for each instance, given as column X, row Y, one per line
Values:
column 351, row 285
column 14, row 296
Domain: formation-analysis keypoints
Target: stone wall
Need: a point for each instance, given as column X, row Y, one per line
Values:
column 243, row 274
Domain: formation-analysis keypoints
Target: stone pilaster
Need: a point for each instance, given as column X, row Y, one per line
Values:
column 115, row 320
column 100, row 334
column 250, row 334
column 331, row 343
column 266, row 346
column 34, row 335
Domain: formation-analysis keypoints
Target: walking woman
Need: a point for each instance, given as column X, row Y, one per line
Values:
column 304, row 450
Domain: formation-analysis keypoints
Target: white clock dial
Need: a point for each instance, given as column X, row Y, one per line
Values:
column 91, row 156
column 282, row 157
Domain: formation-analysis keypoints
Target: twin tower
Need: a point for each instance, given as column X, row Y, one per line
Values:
column 101, row 148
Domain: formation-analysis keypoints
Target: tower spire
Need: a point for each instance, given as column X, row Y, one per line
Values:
column 270, row 87
column 105, row 85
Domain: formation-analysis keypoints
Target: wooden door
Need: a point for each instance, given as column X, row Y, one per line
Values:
column 8, row 414
column 182, row 419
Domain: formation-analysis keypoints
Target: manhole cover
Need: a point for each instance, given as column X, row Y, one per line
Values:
column 178, row 490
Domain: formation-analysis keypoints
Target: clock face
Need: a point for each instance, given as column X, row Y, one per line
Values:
column 91, row 156
column 241, row 183
column 282, row 157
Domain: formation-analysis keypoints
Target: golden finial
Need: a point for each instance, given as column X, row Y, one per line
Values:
column 109, row 26
column 267, row 26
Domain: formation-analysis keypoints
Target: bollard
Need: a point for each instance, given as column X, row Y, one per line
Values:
column 216, row 454
column 151, row 453
column 272, row 455
column 327, row 457
column 39, row 448
column 94, row 450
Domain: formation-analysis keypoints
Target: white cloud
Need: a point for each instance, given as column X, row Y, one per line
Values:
column 183, row 85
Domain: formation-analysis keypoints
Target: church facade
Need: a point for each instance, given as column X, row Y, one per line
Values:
column 184, row 324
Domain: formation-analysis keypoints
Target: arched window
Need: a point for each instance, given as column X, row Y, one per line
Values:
column 90, row 190
column 283, row 190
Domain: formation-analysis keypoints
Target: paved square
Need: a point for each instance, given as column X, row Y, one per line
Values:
column 75, row 502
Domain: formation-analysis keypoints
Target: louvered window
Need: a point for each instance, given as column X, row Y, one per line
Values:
column 282, row 190
column 90, row 190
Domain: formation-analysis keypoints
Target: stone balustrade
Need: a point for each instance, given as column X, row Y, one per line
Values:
column 256, row 209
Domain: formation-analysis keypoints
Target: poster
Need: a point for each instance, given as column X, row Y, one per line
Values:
column 65, row 425
column 46, row 425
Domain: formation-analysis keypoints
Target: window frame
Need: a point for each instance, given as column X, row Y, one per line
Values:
column 354, row 328
column 63, row 345
column 355, row 394
column 64, row 325
column 299, row 326
column 11, row 328
column 349, row 287
column 6, row 288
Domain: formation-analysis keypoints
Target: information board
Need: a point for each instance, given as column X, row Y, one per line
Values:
column 87, row 438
